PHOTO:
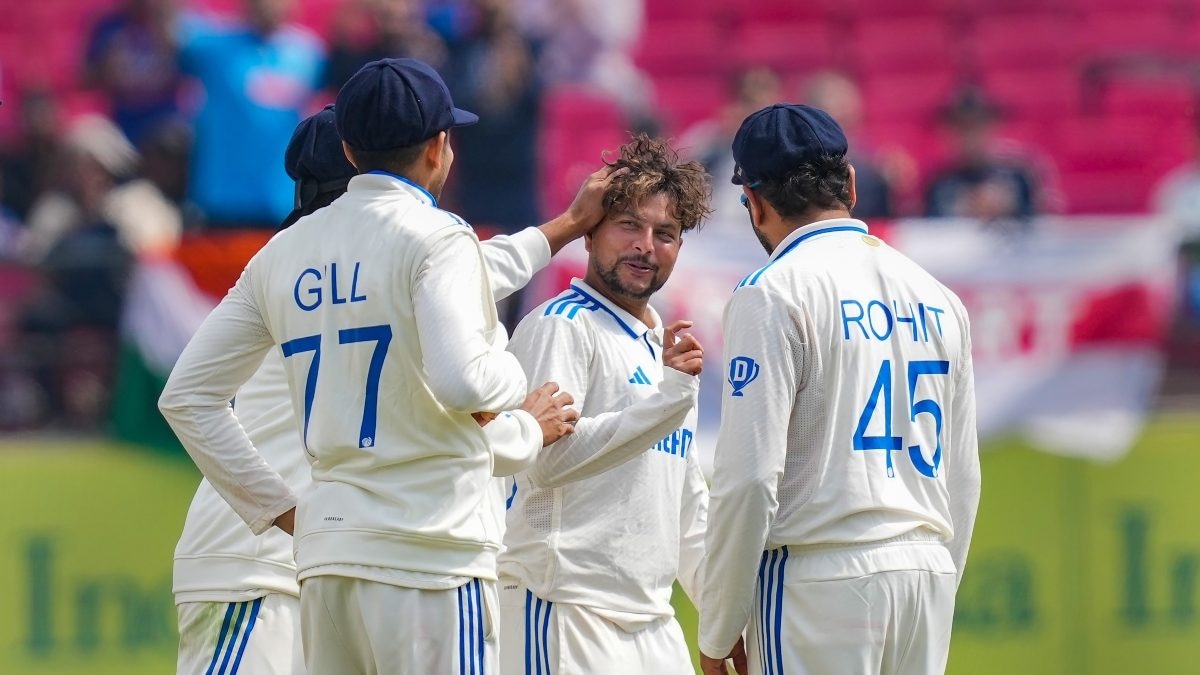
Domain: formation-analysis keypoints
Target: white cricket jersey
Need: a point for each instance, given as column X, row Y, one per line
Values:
column 848, row 419
column 609, row 516
column 381, row 307
column 218, row 558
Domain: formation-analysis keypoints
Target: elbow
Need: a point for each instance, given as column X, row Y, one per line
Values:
column 477, row 388
column 172, row 401
column 459, row 394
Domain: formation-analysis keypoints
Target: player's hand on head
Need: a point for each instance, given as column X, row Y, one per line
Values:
column 587, row 210
column 682, row 352
column 551, row 408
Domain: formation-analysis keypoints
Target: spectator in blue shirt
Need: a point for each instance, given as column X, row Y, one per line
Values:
column 258, row 79
column 132, row 57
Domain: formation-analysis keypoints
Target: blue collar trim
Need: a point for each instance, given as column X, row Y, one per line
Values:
column 402, row 179
column 604, row 306
column 753, row 278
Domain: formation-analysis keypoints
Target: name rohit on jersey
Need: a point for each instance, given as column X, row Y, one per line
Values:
column 877, row 320
column 309, row 291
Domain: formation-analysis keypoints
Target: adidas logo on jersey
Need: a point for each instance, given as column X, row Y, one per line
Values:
column 639, row 377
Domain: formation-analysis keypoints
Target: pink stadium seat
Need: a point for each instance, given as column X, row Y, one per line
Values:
column 1133, row 31
column 577, row 125
column 1107, row 191
column 1106, row 143
column 904, row 44
column 786, row 47
column 873, row 9
column 911, row 98
column 688, row 100
column 317, row 15
column 782, row 10
column 1023, row 40
column 1035, row 93
column 691, row 47
column 982, row 10
column 1167, row 100
column 673, row 10
column 1153, row 6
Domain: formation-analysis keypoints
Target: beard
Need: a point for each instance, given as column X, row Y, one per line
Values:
column 612, row 278
column 762, row 239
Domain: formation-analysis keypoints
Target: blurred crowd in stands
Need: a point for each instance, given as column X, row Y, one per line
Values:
column 198, row 100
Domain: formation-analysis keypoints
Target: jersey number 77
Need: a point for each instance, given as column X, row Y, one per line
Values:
column 382, row 337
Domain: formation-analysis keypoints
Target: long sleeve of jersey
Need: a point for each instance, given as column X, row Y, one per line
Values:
column 962, row 459
column 693, row 524
column 513, row 259
column 748, row 461
column 466, row 372
column 558, row 350
column 222, row 355
column 515, row 438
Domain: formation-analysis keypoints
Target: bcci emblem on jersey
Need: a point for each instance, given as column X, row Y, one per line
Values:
column 742, row 371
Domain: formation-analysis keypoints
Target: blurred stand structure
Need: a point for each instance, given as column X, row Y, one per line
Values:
column 1100, row 93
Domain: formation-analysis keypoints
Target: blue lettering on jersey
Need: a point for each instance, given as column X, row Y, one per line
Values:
column 639, row 377
column 742, row 371
column 877, row 320
column 313, row 290
column 677, row 443
column 309, row 283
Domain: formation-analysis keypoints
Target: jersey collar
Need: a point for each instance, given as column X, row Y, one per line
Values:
column 628, row 323
column 819, row 228
column 408, row 186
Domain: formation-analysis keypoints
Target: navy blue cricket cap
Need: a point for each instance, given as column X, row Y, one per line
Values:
column 773, row 141
column 396, row 103
column 316, row 161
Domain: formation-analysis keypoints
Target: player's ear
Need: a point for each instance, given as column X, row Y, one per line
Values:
column 853, row 188
column 349, row 154
column 435, row 149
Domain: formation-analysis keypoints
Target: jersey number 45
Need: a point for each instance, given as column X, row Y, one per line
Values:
column 882, row 393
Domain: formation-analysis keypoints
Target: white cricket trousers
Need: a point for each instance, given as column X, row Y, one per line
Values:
column 882, row 623
column 538, row 637
column 359, row 627
column 257, row 637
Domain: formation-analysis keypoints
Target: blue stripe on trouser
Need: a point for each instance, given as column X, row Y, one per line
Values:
column 528, row 633
column 768, row 595
column 537, row 644
column 472, row 624
column 246, row 635
column 221, row 639
column 546, row 636
column 537, row 618
column 779, row 614
column 462, row 644
column 479, row 623
column 237, row 628
column 762, row 594
column 470, row 629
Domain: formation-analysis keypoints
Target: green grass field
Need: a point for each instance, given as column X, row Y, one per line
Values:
column 1076, row 567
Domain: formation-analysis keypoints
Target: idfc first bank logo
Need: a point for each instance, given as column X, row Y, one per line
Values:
column 742, row 371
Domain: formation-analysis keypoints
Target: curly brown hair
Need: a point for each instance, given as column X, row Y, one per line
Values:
column 654, row 168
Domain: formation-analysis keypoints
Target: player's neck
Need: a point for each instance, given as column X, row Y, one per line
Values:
column 640, row 309
column 787, row 227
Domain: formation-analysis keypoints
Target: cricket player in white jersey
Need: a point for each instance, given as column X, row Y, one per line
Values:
column 382, row 309
column 237, row 596
column 846, row 473
column 607, row 519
